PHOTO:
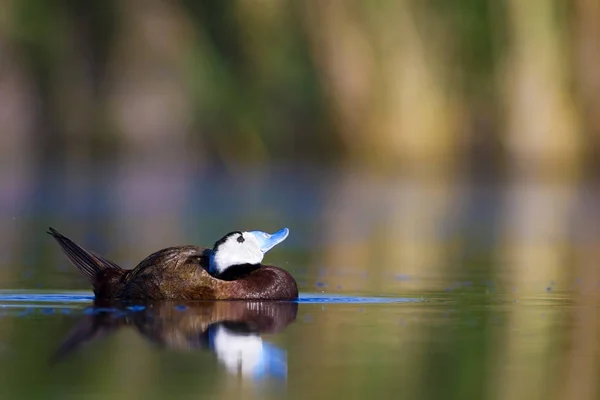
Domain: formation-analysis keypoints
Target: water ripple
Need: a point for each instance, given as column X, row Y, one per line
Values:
column 321, row 298
column 12, row 297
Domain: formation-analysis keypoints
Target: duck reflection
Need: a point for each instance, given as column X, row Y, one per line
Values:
column 231, row 330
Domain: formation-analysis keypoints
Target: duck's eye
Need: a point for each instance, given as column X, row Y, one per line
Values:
column 240, row 239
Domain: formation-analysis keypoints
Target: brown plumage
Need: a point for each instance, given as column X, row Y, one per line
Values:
column 177, row 273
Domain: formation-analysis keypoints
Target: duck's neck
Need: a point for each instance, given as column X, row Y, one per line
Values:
column 234, row 272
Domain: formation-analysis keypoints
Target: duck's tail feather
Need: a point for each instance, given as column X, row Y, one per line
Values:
column 87, row 262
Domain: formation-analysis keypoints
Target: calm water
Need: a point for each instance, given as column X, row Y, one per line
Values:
column 411, row 288
column 459, row 345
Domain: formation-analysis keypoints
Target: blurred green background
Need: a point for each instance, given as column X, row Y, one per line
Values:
column 395, row 133
column 459, row 85
column 412, row 147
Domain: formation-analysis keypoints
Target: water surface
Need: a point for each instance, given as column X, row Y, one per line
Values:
column 444, row 346
column 411, row 288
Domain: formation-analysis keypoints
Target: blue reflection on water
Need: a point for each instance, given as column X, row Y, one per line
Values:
column 11, row 297
column 325, row 298
column 33, row 297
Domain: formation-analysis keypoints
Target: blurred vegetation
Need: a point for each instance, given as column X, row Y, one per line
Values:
column 410, row 84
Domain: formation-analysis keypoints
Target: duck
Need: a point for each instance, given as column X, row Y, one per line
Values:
column 231, row 270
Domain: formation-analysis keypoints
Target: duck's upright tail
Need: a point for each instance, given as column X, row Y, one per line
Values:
column 103, row 274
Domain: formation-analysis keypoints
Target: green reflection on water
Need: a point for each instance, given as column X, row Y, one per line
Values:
column 452, row 345
column 507, row 292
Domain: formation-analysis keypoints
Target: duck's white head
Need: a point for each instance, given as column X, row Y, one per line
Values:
column 238, row 248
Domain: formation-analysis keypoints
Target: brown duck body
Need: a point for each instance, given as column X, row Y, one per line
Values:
column 177, row 273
